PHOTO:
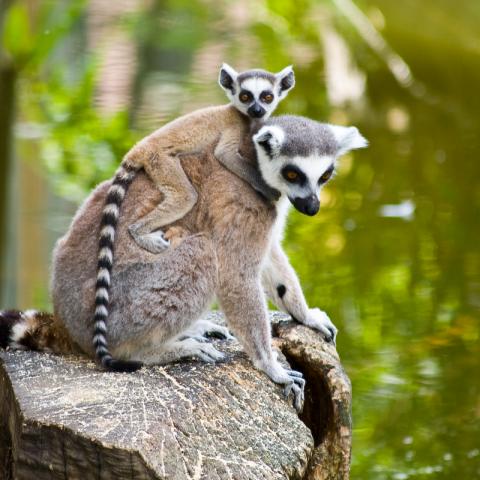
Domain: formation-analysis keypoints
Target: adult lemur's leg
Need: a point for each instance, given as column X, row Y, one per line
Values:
column 156, row 305
column 283, row 288
column 243, row 302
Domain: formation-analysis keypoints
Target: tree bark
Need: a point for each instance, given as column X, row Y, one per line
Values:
column 61, row 417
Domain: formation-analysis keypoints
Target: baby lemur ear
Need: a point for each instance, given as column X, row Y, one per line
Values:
column 348, row 138
column 227, row 78
column 270, row 140
column 285, row 80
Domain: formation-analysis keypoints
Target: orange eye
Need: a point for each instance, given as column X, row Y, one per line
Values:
column 291, row 175
column 326, row 176
column 268, row 98
column 244, row 97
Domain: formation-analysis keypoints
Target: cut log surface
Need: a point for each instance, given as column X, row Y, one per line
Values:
column 63, row 418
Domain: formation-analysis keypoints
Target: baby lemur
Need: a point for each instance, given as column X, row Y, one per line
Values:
column 230, row 250
column 253, row 94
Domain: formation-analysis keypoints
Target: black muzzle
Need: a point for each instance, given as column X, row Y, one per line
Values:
column 256, row 111
column 308, row 205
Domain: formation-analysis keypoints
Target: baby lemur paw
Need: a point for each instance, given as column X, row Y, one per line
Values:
column 175, row 235
column 320, row 321
column 154, row 242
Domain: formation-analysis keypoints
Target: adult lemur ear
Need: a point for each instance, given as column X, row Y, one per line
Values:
column 269, row 139
column 348, row 138
column 285, row 81
column 227, row 78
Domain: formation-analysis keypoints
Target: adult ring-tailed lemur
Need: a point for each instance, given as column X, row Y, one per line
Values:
column 227, row 247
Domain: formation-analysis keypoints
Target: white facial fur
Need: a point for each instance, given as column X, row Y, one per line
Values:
column 313, row 166
column 255, row 86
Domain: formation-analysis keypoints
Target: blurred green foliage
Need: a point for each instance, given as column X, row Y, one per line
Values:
column 404, row 291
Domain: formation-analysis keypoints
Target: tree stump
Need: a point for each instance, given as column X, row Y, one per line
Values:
column 63, row 418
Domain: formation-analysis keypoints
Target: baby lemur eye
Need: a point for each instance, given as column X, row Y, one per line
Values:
column 291, row 175
column 244, row 97
column 268, row 98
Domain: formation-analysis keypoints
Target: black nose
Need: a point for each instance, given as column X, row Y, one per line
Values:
column 308, row 205
column 256, row 111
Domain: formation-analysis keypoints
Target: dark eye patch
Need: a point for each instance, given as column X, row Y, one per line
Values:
column 267, row 96
column 327, row 175
column 292, row 174
column 245, row 96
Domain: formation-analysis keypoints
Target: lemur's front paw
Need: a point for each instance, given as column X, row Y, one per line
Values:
column 319, row 320
column 207, row 329
column 297, row 387
column 292, row 380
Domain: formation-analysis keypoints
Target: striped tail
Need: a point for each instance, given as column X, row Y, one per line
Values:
column 115, row 195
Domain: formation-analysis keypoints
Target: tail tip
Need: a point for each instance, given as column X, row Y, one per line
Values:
column 126, row 366
column 8, row 319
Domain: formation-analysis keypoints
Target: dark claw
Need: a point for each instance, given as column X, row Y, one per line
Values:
column 299, row 381
column 218, row 335
column 331, row 338
column 298, row 402
column 296, row 386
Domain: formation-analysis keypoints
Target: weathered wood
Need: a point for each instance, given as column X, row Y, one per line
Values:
column 61, row 417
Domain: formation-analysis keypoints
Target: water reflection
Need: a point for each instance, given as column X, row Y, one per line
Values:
column 393, row 255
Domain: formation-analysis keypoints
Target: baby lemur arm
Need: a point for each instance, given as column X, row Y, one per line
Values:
column 283, row 289
column 228, row 155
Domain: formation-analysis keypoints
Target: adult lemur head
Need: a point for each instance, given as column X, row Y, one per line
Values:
column 256, row 93
column 297, row 156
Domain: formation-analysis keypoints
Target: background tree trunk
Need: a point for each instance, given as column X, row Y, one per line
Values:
column 7, row 96
column 61, row 417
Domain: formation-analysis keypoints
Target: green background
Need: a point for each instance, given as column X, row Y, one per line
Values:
column 394, row 254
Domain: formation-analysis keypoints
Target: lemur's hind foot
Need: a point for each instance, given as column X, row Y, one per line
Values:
column 180, row 349
column 201, row 330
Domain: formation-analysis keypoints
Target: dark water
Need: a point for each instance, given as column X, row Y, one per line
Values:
column 393, row 256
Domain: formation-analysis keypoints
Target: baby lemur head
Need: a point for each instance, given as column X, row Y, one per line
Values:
column 297, row 156
column 256, row 93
